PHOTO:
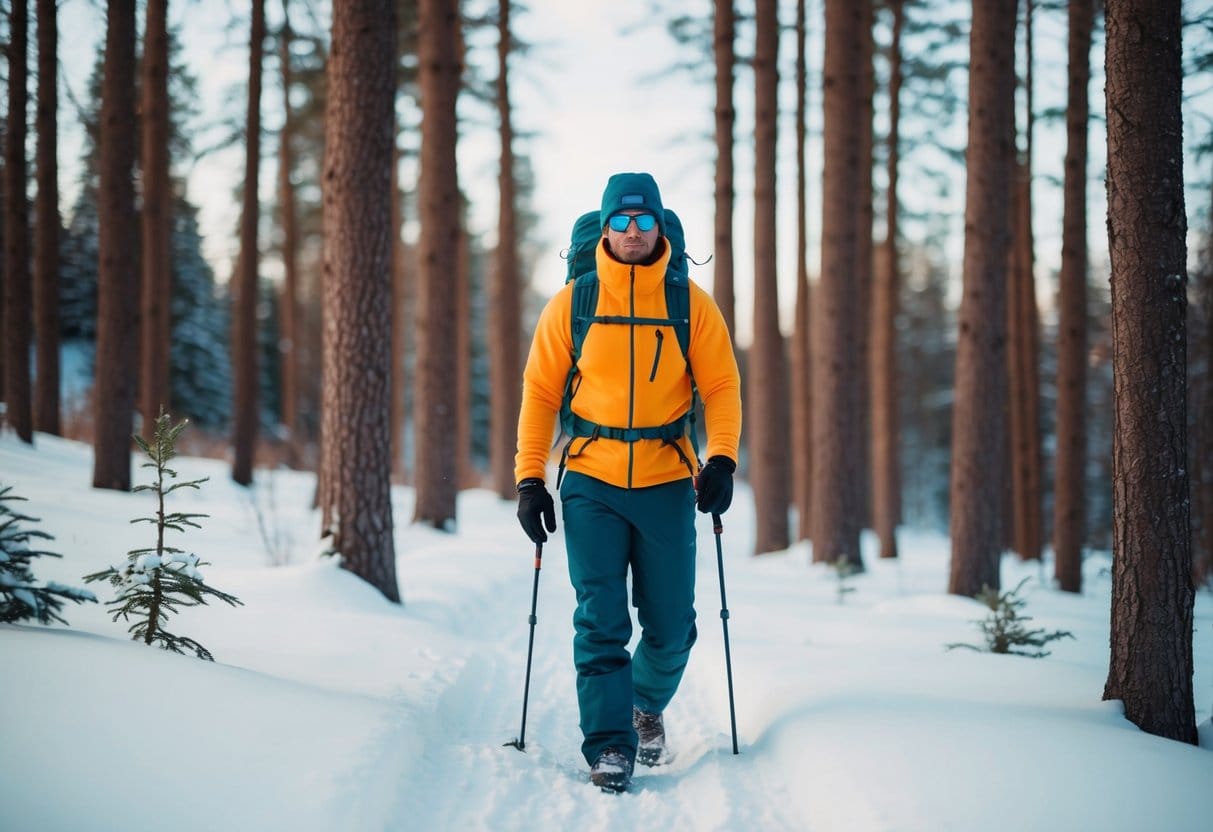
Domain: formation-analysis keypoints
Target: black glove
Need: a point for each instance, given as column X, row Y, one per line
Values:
column 534, row 501
column 715, row 485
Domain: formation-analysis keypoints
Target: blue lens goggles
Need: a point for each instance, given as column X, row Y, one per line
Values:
column 620, row 222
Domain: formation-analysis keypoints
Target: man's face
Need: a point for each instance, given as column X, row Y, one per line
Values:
column 632, row 245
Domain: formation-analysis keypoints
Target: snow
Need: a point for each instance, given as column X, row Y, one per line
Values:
column 330, row 708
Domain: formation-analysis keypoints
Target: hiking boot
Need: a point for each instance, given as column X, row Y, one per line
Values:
column 612, row 771
column 650, row 732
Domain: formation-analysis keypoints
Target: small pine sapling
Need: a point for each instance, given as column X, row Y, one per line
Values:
column 20, row 596
column 1004, row 626
column 844, row 569
column 156, row 581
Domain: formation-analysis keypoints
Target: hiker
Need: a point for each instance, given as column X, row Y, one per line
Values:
column 623, row 371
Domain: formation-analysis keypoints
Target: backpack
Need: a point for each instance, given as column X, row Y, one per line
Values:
column 583, row 273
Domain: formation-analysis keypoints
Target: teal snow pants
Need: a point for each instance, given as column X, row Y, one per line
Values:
column 652, row 531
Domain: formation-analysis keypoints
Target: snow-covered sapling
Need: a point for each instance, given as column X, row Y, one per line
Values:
column 1004, row 627
column 21, row 598
column 154, row 582
column 844, row 570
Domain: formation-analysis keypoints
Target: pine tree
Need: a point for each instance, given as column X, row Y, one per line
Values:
column 199, row 361
column 21, row 598
column 156, row 581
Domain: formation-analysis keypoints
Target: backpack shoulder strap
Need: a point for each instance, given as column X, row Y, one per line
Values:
column 678, row 309
column 584, row 305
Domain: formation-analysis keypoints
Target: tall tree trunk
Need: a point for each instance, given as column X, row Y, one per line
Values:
column 155, row 264
column 769, row 470
column 1152, row 596
column 722, row 49
column 290, row 331
column 117, row 278
column 244, row 295
column 801, row 357
column 17, row 289
column 1202, row 485
column 463, row 355
column 359, row 136
column 505, row 320
column 978, row 465
column 860, row 354
column 437, row 469
column 1027, row 499
column 837, row 432
column 46, row 225
column 1069, row 491
column 886, row 424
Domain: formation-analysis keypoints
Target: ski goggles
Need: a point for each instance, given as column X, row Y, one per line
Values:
column 620, row 222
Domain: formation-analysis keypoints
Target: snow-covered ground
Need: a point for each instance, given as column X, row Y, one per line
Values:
column 329, row 708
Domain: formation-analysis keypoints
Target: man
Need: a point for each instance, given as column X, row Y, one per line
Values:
column 630, row 488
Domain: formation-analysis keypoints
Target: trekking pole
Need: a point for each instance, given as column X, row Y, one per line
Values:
column 520, row 743
column 717, row 528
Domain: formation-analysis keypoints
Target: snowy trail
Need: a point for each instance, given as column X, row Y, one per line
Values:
column 463, row 777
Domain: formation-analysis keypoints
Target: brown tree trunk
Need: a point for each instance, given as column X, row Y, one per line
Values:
column 722, row 49
column 837, row 433
column 801, row 358
column 290, row 343
column 860, row 353
column 978, row 465
column 1202, row 485
column 1069, row 491
column 244, row 294
column 769, row 471
column 1023, row 355
column 437, row 469
column 1151, row 663
column 359, row 132
column 117, row 278
column 18, row 291
column 155, row 264
column 463, row 356
column 505, row 318
column 886, row 424
column 46, row 226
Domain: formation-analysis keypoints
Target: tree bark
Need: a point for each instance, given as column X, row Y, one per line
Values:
column 156, row 264
column 244, row 295
column 359, row 137
column 437, row 470
column 1024, row 353
column 1152, row 596
column 46, row 226
column 766, row 411
column 1069, row 490
column 505, row 320
column 117, row 278
column 978, row 465
column 290, row 343
column 886, row 423
column 801, row 357
column 18, row 291
column 837, row 433
column 723, row 35
column 860, row 352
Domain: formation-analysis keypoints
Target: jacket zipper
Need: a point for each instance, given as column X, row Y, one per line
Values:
column 631, row 367
column 657, row 356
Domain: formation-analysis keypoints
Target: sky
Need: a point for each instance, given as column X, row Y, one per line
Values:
column 597, row 95
column 329, row 708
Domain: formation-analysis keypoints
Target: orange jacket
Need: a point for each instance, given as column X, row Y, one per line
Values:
column 630, row 377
